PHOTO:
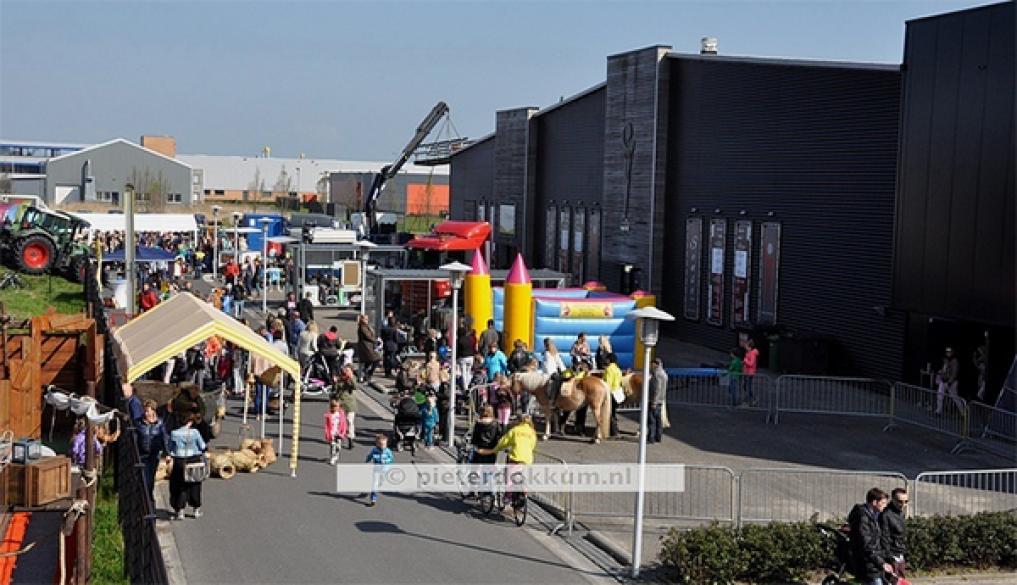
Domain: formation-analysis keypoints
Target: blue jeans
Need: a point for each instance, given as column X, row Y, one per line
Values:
column 654, row 426
column 429, row 435
column 260, row 396
column 238, row 307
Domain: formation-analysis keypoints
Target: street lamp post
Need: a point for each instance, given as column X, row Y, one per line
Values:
column 456, row 274
column 130, row 272
column 236, row 239
column 264, row 264
column 215, row 242
column 649, row 321
column 365, row 249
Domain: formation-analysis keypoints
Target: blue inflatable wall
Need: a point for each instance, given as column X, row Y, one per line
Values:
column 549, row 322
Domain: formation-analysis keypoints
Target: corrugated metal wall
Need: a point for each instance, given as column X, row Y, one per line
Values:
column 955, row 225
column 570, row 161
column 472, row 178
column 815, row 146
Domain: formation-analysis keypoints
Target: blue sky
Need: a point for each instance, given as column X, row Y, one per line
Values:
column 353, row 79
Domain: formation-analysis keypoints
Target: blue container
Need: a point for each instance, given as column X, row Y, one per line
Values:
column 276, row 228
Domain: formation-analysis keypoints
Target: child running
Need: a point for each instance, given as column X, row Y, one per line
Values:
column 381, row 457
column 335, row 429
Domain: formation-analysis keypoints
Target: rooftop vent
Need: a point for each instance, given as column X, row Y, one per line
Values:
column 708, row 46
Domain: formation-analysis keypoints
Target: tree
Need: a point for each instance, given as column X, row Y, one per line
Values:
column 6, row 185
column 284, row 183
column 150, row 190
column 256, row 187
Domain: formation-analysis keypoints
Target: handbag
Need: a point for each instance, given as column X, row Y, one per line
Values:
column 197, row 471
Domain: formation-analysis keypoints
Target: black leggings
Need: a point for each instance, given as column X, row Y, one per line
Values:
column 183, row 493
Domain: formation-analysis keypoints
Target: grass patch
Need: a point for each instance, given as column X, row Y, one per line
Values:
column 107, row 540
column 40, row 293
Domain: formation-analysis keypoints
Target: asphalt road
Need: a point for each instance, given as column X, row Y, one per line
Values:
column 271, row 528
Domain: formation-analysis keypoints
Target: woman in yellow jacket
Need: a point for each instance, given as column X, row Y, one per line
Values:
column 520, row 441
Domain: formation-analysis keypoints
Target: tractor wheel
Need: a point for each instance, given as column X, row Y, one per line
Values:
column 36, row 255
column 78, row 269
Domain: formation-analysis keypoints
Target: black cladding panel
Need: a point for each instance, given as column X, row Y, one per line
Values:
column 955, row 234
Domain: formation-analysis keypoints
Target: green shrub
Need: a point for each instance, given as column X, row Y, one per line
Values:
column 790, row 552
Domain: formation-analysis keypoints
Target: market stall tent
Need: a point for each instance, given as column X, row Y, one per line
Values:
column 183, row 321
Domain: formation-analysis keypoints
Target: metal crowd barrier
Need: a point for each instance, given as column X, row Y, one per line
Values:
column 993, row 430
column 831, row 395
column 805, row 495
column 559, row 502
column 916, row 406
column 943, row 493
column 713, row 387
column 709, row 495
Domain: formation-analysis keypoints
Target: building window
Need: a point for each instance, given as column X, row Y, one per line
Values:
column 142, row 196
column 550, row 237
column 107, row 195
column 174, row 198
column 564, row 237
column 195, row 179
column 578, row 243
column 507, row 220
column 220, row 193
column 481, row 211
column 208, row 192
column 245, row 195
column 593, row 245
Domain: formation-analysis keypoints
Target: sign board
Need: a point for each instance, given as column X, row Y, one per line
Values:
column 741, row 282
column 351, row 273
column 715, row 284
column 586, row 310
column 769, row 269
column 693, row 264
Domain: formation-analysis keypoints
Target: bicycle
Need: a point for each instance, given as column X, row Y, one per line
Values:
column 464, row 455
column 11, row 280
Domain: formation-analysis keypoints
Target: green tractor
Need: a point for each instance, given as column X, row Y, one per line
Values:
column 46, row 241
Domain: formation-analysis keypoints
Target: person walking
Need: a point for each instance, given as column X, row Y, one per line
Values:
column 153, row 443
column 239, row 296
column 495, row 362
column 658, row 396
column 734, row 374
column 489, row 336
column 866, row 538
column 307, row 345
column 466, row 346
column 947, row 381
column 893, row 531
column 381, row 457
column 186, row 446
column 429, row 419
column 389, row 345
column 366, row 353
column 306, row 308
column 344, row 388
column 613, row 379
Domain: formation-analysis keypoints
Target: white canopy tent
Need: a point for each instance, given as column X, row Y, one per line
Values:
column 143, row 222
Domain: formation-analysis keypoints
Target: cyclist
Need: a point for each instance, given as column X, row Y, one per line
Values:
column 520, row 441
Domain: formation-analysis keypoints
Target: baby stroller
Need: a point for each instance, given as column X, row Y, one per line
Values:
column 317, row 377
column 841, row 536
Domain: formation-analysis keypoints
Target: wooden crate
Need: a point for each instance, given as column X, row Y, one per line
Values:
column 38, row 483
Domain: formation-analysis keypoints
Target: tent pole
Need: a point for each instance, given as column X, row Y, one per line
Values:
column 264, row 409
column 295, row 448
column 282, row 407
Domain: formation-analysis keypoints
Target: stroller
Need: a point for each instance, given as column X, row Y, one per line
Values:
column 841, row 536
column 317, row 377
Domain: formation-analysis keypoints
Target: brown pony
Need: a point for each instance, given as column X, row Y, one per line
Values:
column 632, row 385
column 574, row 393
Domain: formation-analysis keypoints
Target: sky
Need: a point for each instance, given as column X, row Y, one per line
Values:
column 352, row 80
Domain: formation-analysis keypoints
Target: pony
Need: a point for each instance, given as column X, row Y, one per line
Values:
column 587, row 390
column 632, row 386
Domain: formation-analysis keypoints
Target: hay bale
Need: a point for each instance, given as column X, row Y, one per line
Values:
column 251, row 445
column 222, row 466
column 245, row 460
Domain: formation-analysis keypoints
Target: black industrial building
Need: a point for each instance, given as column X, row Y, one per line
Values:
column 761, row 194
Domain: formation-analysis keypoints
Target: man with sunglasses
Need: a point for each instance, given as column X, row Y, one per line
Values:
column 891, row 524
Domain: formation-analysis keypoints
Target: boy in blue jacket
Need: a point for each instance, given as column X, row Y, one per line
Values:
column 429, row 419
column 381, row 457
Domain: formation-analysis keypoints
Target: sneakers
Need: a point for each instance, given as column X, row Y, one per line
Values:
column 197, row 513
column 371, row 504
column 178, row 515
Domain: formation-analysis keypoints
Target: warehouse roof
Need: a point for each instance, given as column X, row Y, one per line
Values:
column 238, row 172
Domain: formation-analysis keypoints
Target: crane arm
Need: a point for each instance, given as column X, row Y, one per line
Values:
column 389, row 171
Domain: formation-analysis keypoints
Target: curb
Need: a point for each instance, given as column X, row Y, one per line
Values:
column 607, row 545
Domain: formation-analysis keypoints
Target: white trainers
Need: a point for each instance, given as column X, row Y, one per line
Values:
column 197, row 513
column 178, row 515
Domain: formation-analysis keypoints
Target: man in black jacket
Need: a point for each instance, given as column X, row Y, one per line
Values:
column 306, row 309
column 891, row 524
column 866, row 538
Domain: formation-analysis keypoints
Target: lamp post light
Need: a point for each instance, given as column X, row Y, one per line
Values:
column 649, row 326
column 215, row 241
column 130, row 271
column 456, row 274
column 264, row 264
column 365, row 250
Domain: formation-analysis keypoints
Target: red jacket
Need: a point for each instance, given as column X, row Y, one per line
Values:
column 148, row 300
